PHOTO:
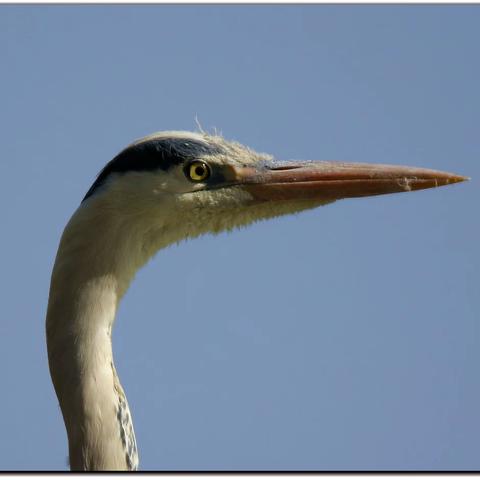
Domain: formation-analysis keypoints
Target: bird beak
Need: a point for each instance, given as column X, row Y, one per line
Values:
column 335, row 180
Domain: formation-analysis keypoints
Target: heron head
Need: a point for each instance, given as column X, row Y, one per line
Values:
column 193, row 183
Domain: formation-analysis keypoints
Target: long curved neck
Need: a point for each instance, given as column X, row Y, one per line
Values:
column 92, row 271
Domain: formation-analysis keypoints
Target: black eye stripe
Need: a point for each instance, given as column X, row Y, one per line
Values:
column 155, row 154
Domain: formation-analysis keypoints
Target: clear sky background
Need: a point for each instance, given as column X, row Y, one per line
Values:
column 346, row 337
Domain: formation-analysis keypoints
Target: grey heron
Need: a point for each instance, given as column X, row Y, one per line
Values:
column 159, row 190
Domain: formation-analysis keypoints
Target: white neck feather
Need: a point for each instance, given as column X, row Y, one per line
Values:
column 95, row 263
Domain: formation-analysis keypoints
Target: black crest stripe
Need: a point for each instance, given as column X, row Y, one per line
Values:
column 154, row 154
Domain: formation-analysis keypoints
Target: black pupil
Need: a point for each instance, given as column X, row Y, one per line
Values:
column 199, row 171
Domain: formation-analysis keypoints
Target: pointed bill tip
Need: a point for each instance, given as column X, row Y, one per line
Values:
column 459, row 178
column 435, row 178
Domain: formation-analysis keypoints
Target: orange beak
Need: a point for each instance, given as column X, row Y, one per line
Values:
column 335, row 180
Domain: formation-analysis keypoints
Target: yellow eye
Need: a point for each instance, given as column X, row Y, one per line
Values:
column 198, row 171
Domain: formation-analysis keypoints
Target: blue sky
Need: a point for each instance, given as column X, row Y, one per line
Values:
column 356, row 343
